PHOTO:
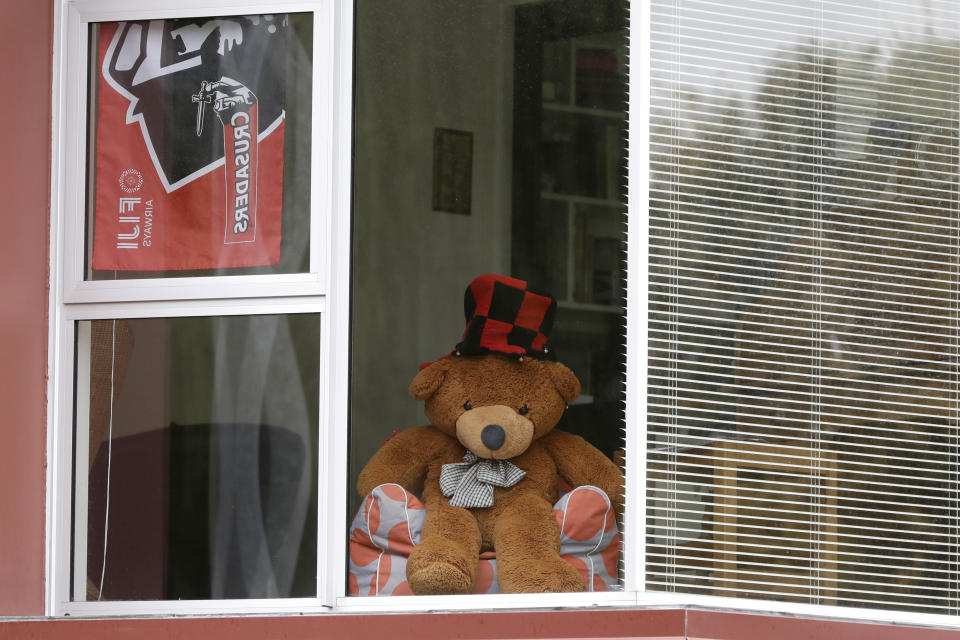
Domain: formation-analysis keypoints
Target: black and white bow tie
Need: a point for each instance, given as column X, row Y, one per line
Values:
column 471, row 482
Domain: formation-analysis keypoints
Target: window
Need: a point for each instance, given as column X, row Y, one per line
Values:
column 803, row 291
column 201, row 399
column 201, row 479
column 538, row 91
column 753, row 259
column 191, row 325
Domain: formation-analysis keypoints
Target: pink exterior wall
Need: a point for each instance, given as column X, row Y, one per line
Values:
column 636, row 624
column 25, row 44
column 716, row 625
column 649, row 625
column 25, row 56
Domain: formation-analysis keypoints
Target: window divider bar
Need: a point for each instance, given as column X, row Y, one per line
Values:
column 81, row 436
column 638, row 233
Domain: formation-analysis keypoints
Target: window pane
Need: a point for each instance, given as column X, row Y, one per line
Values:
column 804, row 251
column 540, row 89
column 199, row 140
column 196, row 463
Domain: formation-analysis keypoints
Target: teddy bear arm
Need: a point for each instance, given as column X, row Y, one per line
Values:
column 403, row 459
column 580, row 463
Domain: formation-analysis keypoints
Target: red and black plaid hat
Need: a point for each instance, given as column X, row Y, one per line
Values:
column 504, row 317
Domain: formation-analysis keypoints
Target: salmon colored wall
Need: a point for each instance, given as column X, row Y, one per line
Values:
column 636, row 624
column 25, row 58
column 718, row 625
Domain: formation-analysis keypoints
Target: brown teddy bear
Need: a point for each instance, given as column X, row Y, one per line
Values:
column 488, row 465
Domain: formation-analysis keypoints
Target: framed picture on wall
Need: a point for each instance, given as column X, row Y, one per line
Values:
column 452, row 170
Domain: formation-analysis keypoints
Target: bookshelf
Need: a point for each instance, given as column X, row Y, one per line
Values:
column 569, row 173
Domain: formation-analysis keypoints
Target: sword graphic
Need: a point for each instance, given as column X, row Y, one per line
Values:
column 203, row 98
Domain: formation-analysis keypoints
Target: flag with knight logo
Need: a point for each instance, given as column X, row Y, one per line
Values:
column 189, row 143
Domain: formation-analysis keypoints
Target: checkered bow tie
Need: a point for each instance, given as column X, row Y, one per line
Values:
column 471, row 482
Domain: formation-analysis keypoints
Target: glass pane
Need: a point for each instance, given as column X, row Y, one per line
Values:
column 199, row 147
column 196, row 463
column 541, row 89
column 803, row 395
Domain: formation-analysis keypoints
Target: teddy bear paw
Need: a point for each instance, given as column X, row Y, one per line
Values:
column 439, row 578
column 542, row 576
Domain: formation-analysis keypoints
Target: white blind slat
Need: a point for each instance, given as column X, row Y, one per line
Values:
column 773, row 178
column 854, row 523
column 768, row 50
column 845, row 282
column 878, row 506
column 853, row 395
column 740, row 270
column 720, row 303
column 780, row 9
column 933, row 166
column 776, row 413
column 866, row 166
column 789, row 322
column 720, row 428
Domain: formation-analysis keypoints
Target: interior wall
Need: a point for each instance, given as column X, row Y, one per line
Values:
column 421, row 65
column 26, row 34
column 140, row 403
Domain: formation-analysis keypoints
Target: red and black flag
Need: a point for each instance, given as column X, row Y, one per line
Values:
column 189, row 143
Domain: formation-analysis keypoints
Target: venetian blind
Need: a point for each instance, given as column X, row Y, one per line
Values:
column 804, row 394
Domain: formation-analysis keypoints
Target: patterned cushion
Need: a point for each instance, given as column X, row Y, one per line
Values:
column 389, row 522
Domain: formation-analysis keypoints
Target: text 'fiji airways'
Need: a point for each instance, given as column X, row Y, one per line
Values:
column 139, row 216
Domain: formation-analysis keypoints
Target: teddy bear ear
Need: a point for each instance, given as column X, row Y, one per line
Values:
column 564, row 380
column 426, row 383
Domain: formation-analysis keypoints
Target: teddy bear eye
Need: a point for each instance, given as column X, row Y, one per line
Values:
column 467, row 406
column 524, row 410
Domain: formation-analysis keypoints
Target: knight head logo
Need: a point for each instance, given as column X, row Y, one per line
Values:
column 186, row 80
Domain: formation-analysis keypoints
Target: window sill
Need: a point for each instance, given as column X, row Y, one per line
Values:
column 653, row 622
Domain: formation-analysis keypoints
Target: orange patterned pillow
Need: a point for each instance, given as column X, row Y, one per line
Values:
column 389, row 522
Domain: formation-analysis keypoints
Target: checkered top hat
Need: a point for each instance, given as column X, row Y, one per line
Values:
column 504, row 317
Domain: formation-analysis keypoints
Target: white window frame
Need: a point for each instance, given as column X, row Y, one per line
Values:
column 637, row 331
column 73, row 299
column 633, row 534
column 70, row 116
column 326, row 290
column 637, row 308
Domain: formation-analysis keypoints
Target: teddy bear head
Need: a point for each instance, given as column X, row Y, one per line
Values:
column 493, row 404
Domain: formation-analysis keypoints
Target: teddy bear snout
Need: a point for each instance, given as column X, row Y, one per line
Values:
column 494, row 431
column 493, row 436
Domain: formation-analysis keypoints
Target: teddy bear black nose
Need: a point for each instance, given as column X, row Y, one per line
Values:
column 493, row 436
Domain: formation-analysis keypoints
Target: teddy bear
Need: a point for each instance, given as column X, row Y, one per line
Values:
column 489, row 461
